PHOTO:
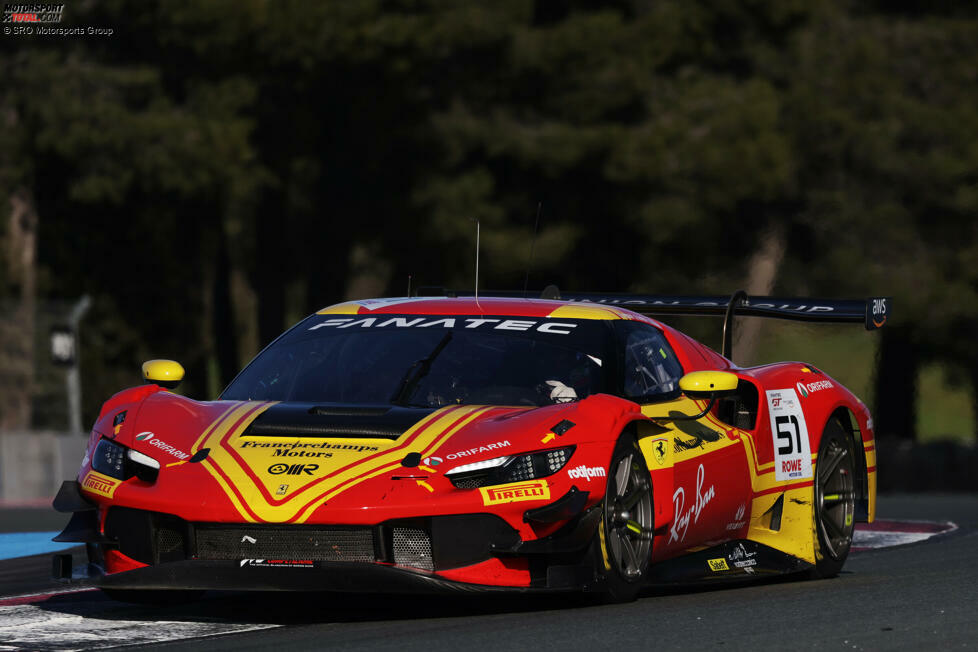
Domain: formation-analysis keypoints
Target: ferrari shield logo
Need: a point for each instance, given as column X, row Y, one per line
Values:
column 659, row 448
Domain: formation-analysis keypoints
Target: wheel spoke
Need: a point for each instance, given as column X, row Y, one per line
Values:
column 614, row 541
column 632, row 564
column 826, row 537
column 832, row 525
column 825, row 472
column 621, row 475
column 632, row 499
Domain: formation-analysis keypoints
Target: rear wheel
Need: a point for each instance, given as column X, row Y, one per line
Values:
column 835, row 500
column 624, row 539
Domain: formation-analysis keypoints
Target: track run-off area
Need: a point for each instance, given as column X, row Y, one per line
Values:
column 911, row 582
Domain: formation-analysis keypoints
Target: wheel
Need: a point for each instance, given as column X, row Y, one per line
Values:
column 835, row 500
column 624, row 539
column 157, row 597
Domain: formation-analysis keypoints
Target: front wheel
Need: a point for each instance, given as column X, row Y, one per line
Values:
column 835, row 500
column 624, row 539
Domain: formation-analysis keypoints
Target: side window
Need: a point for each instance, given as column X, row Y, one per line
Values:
column 651, row 370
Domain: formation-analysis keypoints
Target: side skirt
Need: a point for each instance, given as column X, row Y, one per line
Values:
column 733, row 560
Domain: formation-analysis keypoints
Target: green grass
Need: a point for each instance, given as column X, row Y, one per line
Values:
column 943, row 412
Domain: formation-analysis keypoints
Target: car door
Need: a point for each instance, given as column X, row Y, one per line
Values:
column 701, row 483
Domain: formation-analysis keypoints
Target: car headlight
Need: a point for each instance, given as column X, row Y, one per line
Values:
column 110, row 459
column 512, row 468
column 122, row 463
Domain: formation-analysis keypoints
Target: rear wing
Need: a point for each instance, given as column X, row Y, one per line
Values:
column 872, row 312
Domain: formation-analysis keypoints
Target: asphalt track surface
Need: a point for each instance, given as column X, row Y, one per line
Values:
column 910, row 597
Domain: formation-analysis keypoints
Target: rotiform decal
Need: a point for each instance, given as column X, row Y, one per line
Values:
column 522, row 325
column 586, row 472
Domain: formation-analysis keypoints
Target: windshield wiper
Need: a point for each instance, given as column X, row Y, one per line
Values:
column 417, row 371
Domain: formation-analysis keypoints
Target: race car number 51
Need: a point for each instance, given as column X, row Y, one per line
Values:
column 792, row 453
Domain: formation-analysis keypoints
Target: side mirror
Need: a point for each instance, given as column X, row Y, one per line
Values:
column 165, row 373
column 708, row 384
column 702, row 385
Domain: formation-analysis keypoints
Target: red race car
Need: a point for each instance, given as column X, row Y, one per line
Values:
column 480, row 444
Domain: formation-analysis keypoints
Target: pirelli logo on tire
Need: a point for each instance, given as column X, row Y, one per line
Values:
column 515, row 492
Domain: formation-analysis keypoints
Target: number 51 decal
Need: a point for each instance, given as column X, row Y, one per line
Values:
column 792, row 453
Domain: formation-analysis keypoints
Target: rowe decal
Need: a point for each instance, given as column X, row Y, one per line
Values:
column 100, row 484
column 810, row 388
column 480, row 449
column 792, row 452
column 522, row 325
column 515, row 492
column 162, row 445
column 586, row 472
column 677, row 532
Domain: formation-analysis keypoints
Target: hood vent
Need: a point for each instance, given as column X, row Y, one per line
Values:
column 348, row 411
column 345, row 421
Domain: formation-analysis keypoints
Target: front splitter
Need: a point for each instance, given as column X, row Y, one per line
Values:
column 345, row 577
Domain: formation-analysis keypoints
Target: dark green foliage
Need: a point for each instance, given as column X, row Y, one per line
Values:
column 215, row 170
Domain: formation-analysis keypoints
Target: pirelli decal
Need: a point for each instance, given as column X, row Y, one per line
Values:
column 515, row 492
column 100, row 484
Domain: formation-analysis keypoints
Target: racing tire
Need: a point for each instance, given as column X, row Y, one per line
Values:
column 622, row 548
column 155, row 597
column 834, row 505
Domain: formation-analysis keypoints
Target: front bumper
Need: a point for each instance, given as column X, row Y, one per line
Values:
column 133, row 548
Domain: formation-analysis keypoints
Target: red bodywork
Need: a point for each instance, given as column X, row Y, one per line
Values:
column 703, row 495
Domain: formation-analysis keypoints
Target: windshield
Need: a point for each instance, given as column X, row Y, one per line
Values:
column 429, row 361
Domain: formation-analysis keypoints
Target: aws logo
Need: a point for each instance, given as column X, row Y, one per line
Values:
column 293, row 469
